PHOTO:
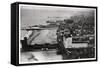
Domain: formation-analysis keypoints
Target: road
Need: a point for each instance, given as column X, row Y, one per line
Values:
column 40, row 55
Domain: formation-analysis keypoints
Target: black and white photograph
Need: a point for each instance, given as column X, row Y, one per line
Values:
column 56, row 33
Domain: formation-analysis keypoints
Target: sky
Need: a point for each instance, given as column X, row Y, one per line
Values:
column 34, row 14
